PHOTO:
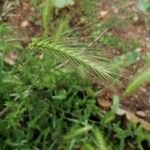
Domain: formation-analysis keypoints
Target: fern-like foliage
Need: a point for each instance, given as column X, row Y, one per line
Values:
column 139, row 79
column 85, row 61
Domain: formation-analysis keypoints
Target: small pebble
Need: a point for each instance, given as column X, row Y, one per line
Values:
column 141, row 114
column 103, row 13
column 24, row 24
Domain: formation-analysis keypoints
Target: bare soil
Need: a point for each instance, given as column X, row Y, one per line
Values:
column 139, row 102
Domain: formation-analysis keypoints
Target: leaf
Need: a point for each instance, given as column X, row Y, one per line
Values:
column 143, row 5
column 131, row 57
column 87, row 147
column 78, row 132
column 108, row 117
column 131, row 117
column 61, row 95
column 63, row 3
column 127, row 59
column 115, row 105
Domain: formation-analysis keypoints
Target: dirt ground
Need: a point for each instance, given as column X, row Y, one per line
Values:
column 139, row 102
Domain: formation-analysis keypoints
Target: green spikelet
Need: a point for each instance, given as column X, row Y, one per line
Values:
column 86, row 62
column 100, row 140
column 138, row 81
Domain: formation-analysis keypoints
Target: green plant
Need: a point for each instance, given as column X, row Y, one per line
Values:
column 5, row 47
column 143, row 5
column 47, row 106
column 46, row 16
column 96, row 67
column 63, row 3
column 100, row 139
column 138, row 80
column 113, row 41
column 141, row 77
column 2, row 49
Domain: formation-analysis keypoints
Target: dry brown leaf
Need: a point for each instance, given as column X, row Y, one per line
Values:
column 104, row 103
column 141, row 114
column 131, row 117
